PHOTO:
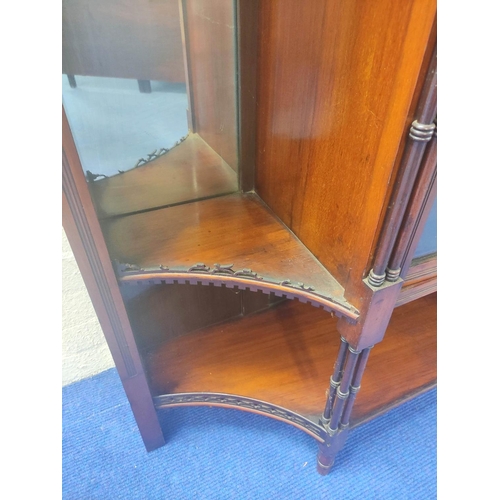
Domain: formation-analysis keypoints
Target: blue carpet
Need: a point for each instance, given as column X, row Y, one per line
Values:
column 215, row 453
column 114, row 125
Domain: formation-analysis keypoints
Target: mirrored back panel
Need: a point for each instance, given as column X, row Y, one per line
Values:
column 149, row 89
column 427, row 245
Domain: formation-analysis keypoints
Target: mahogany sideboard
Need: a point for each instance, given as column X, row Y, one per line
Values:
column 266, row 262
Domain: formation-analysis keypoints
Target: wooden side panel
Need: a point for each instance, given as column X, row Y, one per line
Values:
column 209, row 30
column 336, row 81
column 82, row 229
column 138, row 39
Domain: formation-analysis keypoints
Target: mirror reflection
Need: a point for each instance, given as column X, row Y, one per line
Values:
column 149, row 89
column 427, row 244
column 118, row 128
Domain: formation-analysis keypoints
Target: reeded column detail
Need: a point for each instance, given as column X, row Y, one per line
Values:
column 344, row 385
column 343, row 390
column 355, row 387
column 411, row 221
column 420, row 133
column 338, row 371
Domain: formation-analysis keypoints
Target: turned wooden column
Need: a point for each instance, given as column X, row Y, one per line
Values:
column 345, row 383
column 421, row 132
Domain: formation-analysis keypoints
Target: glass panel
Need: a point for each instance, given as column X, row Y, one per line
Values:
column 428, row 241
column 115, row 125
column 149, row 89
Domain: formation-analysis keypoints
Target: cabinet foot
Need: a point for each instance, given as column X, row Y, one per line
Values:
column 344, row 385
column 328, row 450
column 72, row 81
column 322, row 469
column 144, row 86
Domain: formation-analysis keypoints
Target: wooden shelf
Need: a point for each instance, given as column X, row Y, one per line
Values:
column 187, row 241
column 190, row 171
column 285, row 356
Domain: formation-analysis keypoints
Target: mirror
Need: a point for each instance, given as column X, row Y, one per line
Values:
column 427, row 244
column 149, row 89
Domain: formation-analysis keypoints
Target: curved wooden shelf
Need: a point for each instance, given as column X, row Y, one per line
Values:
column 250, row 405
column 278, row 362
column 233, row 241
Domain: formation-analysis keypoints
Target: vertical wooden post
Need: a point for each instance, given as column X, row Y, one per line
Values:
column 354, row 387
column 423, row 196
column 347, row 380
column 335, row 379
column 87, row 242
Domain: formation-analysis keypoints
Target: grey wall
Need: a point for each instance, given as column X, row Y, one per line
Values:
column 84, row 349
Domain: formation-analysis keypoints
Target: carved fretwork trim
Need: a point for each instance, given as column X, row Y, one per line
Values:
column 254, row 405
column 157, row 153
column 224, row 275
column 91, row 177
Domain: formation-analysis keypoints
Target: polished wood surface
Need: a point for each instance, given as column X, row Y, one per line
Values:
column 336, row 81
column 420, row 205
column 394, row 237
column 285, row 356
column 209, row 32
column 189, row 171
column 334, row 85
column 235, row 229
column 137, row 39
column 248, row 60
column 431, row 45
column 161, row 312
column 87, row 243
column 404, row 364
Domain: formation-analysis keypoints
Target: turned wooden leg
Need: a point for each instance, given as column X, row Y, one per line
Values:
column 72, row 81
column 344, row 385
column 338, row 371
column 144, row 86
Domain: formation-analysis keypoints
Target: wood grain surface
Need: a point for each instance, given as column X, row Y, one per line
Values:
column 405, row 186
column 336, row 84
column 285, row 356
column 235, row 229
column 210, row 34
column 190, row 171
column 87, row 243
column 248, row 63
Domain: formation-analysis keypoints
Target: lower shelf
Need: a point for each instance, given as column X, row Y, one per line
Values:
column 285, row 356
